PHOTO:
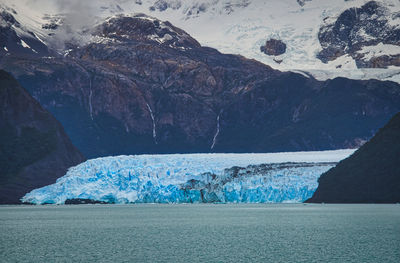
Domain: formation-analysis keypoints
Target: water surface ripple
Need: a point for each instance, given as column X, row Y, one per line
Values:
column 200, row 233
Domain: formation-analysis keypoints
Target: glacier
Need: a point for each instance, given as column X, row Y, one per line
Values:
column 192, row 178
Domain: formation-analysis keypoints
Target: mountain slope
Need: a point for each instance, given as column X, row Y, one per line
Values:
column 34, row 150
column 142, row 85
column 370, row 175
column 16, row 39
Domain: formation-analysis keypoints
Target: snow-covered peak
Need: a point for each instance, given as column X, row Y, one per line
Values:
column 141, row 27
column 231, row 26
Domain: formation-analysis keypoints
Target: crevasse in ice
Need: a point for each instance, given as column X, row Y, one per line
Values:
column 192, row 178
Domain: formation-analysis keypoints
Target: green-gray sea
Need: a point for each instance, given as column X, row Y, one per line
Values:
column 200, row 233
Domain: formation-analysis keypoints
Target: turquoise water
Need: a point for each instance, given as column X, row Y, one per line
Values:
column 200, row 233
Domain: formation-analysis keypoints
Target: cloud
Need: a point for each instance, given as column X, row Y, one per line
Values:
column 78, row 18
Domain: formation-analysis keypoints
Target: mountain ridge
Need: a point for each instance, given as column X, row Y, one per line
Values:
column 159, row 91
column 369, row 175
column 34, row 149
column 242, row 27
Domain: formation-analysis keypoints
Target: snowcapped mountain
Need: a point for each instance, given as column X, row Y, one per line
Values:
column 191, row 178
column 362, row 35
column 131, row 83
column 124, row 80
column 15, row 38
column 140, row 27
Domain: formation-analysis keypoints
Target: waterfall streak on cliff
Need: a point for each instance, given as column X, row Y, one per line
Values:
column 216, row 133
column 90, row 99
column 154, row 123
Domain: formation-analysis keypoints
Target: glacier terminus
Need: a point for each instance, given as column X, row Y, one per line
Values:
column 192, row 178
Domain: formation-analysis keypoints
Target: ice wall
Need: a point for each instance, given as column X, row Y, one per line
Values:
column 187, row 178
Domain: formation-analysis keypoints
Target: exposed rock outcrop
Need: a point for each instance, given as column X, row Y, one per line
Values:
column 303, row 2
column 34, row 149
column 367, row 34
column 274, row 47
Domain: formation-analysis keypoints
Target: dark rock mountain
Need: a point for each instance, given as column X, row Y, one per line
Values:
column 141, row 85
column 370, row 175
column 292, row 113
column 357, row 28
column 34, row 149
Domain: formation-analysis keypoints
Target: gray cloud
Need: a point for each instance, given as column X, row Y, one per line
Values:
column 78, row 18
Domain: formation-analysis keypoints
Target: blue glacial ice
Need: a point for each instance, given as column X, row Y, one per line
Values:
column 192, row 178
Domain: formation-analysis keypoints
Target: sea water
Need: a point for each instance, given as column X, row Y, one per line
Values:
column 200, row 233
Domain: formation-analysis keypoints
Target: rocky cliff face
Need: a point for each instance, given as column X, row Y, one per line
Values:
column 34, row 149
column 367, row 34
column 141, row 85
column 370, row 175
